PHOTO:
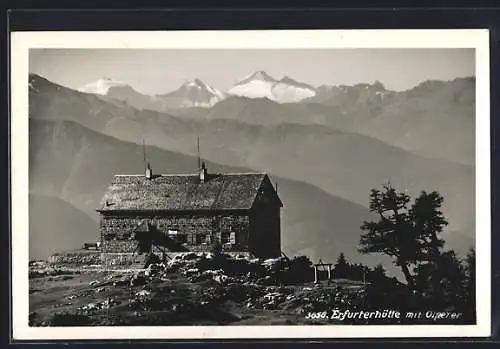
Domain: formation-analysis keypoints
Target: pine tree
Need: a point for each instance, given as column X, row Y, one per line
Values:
column 378, row 273
column 408, row 234
column 470, row 284
column 392, row 234
column 453, row 282
column 429, row 222
column 341, row 268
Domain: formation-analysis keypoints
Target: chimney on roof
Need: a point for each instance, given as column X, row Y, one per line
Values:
column 149, row 172
column 203, row 172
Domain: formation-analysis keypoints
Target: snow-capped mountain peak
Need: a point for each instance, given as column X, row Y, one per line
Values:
column 288, row 90
column 102, row 86
column 255, row 85
column 193, row 93
column 262, row 85
column 196, row 83
column 258, row 75
column 289, row 81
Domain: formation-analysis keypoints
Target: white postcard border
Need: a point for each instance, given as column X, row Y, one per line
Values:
column 21, row 42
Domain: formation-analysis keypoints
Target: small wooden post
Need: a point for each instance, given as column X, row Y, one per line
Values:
column 329, row 271
column 315, row 274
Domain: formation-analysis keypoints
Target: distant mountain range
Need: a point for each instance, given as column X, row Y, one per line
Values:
column 196, row 93
column 325, row 159
column 62, row 152
column 433, row 119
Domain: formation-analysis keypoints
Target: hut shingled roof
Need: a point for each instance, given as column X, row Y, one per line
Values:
column 182, row 192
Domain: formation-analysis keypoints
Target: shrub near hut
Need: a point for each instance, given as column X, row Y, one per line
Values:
column 300, row 270
column 276, row 271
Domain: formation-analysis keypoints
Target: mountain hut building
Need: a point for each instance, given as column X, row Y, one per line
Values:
column 189, row 212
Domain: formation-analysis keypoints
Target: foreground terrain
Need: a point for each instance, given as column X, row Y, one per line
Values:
column 128, row 297
column 75, row 300
column 194, row 289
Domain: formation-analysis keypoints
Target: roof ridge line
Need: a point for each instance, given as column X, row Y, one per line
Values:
column 238, row 173
column 193, row 174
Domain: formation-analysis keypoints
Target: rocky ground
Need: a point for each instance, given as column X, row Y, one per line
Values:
column 192, row 289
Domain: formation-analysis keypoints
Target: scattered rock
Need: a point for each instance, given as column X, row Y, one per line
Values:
column 93, row 307
column 221, row 279
column 189, row 256
column 143, row 293
column 138, row 279
column 191, row 272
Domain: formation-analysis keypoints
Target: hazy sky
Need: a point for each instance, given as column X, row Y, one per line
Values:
column 160, row 71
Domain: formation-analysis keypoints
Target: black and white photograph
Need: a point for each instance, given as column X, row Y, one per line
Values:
column 233, row 188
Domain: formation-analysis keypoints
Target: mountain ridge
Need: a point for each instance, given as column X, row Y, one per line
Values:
column 56, row 225
column 258, row 146
column 102, row 86
column 264, row 76
column 433, row 119
column 80, row 147
column 258, row 84
column 339, row 162
column 332, row 223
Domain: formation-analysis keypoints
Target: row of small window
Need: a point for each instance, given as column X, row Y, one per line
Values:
column 223, row 237
column 124, row 236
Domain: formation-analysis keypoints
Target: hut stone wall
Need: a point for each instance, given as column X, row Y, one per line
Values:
column 195, row 230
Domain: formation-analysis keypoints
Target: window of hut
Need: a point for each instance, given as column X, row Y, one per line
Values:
column 182, row 238
column 144, row 246
column 225, row 238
